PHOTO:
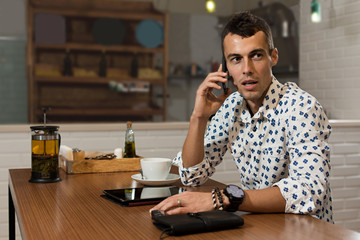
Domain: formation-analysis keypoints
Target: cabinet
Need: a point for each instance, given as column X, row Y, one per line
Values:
column 125, row 91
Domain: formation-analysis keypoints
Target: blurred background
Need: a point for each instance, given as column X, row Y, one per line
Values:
column 160, row 53
column 189, row 42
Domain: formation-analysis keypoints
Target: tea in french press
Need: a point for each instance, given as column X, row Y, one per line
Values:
column 45, row 144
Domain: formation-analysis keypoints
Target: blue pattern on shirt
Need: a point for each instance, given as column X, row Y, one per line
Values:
column 284, row 144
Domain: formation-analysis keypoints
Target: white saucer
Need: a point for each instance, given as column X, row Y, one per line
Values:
column 169, row 180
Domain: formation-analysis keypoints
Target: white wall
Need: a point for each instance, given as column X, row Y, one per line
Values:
column 345, row 176
column 345, row 161
column 330, row 56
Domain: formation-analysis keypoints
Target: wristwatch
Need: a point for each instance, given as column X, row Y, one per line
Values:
column 236, row 196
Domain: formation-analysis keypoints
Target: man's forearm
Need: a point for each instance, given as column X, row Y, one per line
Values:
column 193, row 149
column 269, row 200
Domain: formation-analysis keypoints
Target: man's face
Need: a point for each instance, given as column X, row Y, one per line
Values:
column 249, row 63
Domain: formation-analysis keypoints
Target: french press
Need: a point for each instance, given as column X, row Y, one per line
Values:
column 45, row 144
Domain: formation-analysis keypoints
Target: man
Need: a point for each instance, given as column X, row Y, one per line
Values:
column 277, row 134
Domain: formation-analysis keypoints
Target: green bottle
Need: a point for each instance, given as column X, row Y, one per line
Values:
column 67, row 71
column 102, row 65
column 129, row 150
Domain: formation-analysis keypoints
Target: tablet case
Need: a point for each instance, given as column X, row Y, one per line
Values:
column 197, row 222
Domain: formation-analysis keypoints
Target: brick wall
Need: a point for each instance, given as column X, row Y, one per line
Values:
column 330, row 55
column 164, row 140
column 345, row 176
column 329, row 70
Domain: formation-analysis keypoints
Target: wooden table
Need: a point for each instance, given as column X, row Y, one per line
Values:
column 73, row 209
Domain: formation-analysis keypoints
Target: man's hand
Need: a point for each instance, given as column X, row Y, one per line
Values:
column 206, row 103
column 268, row 200
column 186, row 202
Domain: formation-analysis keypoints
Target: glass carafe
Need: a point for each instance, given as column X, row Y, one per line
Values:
column 45, row 144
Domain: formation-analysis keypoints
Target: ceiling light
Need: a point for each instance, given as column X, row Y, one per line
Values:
column 315, row 11
column 210, row 6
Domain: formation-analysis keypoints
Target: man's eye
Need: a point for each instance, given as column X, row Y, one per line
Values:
column 257, row 56
column 236, row 59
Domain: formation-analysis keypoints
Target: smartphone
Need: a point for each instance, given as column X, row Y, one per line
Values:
column 224, row 69
column 141, row 196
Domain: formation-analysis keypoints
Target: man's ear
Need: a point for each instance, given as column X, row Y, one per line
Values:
column 274, row 57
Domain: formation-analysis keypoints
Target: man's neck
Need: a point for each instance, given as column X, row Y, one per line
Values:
column 252, row 107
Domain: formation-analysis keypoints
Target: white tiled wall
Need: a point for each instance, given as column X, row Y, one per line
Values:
column 330, row 56
column 345, row 160
column 345, row 176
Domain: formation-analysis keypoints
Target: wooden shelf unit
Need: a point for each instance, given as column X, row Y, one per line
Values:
column 92, row 80
column 42, row 53
column 98, row 48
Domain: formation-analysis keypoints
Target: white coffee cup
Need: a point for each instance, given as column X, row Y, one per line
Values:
column 155, row 168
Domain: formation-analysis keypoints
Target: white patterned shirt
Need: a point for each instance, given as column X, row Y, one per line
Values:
column 284, row 144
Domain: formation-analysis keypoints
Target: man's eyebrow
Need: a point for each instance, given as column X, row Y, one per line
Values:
column 257, row 50
column 233, row 55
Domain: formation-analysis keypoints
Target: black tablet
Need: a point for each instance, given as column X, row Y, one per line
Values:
column 141, row 196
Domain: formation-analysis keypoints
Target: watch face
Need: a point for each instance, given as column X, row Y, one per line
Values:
column 235, row 191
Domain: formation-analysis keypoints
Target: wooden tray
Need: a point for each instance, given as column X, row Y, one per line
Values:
column 81, row 165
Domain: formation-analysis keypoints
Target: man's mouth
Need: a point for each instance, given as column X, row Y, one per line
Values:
column 249, row 84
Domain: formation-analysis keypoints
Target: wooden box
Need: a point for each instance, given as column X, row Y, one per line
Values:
column 82, row 165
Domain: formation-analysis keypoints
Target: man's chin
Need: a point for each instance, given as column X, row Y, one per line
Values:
column 252, row 96
column 249, row 95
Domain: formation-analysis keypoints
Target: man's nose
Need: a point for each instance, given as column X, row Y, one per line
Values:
column 248, row 67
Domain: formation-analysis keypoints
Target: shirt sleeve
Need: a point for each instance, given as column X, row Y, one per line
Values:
column 307, row 189
column 215, row 147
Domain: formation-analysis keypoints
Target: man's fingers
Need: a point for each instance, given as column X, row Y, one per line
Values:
column 179, row 210
column 220, row 68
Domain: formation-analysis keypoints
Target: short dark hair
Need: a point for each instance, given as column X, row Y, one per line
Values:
column 246, row 25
